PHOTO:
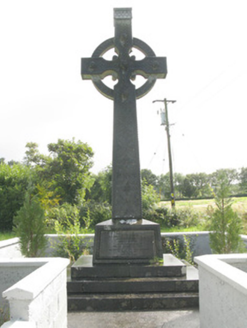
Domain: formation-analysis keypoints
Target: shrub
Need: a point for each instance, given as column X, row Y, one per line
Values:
column 92, row 213
column 225, row 223
column 155, row 214
column 13, row 184
column 69, row 243
column 180, row 249
column 30, row 225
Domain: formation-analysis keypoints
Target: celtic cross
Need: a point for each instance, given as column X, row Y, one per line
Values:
column 126, row 186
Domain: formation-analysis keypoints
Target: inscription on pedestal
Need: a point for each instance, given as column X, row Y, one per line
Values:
column 126, row 244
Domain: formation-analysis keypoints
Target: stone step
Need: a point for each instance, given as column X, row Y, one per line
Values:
column 133, row 285
column 132, row 302
column 83, row 268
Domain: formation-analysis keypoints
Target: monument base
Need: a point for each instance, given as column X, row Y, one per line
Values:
column 117, row 243
column 133, row 287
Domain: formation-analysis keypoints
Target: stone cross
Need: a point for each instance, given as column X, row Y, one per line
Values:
column 126, row 185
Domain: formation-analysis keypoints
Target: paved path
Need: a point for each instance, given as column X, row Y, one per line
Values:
column 157, row 319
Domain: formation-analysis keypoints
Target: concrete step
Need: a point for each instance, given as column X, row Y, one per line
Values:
column 84, row 269
column 132, row 302
column 133, row 285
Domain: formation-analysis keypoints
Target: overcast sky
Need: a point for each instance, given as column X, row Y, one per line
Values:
column 43, row 97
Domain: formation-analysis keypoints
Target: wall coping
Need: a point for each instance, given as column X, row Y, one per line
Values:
column 32, row 285
column 19, row 324
column 9, row 242
column 221, row 266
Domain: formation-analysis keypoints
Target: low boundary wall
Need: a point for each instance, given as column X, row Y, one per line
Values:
column 199, row 243
column 223, row 290
column 39, row 299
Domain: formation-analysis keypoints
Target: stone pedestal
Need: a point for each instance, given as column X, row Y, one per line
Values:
column 122, row 243
column 132, row 287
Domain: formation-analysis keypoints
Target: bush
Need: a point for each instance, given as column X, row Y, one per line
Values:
column 225, row 223
column 155, row 214
column 69, row 243
column 64, row 214
column 13, row 184
column 92, row 213
column 30, row 225
column 180, row 249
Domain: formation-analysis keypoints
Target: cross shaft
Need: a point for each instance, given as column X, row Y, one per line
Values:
column 126, row 188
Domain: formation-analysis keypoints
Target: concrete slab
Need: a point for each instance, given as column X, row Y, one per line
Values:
column 157, row 319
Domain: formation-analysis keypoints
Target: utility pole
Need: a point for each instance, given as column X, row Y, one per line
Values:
column 167, row 128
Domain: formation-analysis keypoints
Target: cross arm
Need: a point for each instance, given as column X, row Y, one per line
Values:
column 151, row 66
column 97, row 67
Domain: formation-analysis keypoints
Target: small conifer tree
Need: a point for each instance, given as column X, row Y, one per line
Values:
column 225, row 223
column 30, row 225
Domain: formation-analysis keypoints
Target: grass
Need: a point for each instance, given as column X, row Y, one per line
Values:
column 183, row 229
column 6, row 235
column 200, row 205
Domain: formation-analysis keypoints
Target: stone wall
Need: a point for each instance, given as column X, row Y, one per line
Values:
column 199, row 243
column 223, row 290
column 10, row 248
column 39, row 298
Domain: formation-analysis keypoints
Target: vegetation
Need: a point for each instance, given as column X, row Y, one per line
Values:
column 225, row 223
column 67, row 197
column 13, row 184
column 180, row 249
column 30, row 225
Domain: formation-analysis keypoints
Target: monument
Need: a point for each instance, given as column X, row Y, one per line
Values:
column 123, row 274
column 127, row 238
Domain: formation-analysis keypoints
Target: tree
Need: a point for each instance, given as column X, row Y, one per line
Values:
column 231, row 175
column 243, row 179
column 163, row 186
column 149, row 177
column 225, row 223
column 66, row 168
column 178, row 180
column 188, row 188
column 30, row 225
column 101, row 190
column 13, row 184
column 33, row 157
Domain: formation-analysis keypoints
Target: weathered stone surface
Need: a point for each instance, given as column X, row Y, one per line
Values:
column 131, row 287
column 84, row 268
column 132, row 302
column 126, row 243
column 126, row 186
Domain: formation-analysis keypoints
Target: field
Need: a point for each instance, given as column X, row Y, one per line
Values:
column 201, row 205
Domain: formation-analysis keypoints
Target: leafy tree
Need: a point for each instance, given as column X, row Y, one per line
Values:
column 243, row 179
column 66, row 168
column 163, row 185
column 231, row 175
column 188, row 188
column 30, row 225
column 149, row 196
column 101, row 190
column 149, row 177
column 13, row 184
column 33, row 156
column 225, row 223
column 178, row 180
